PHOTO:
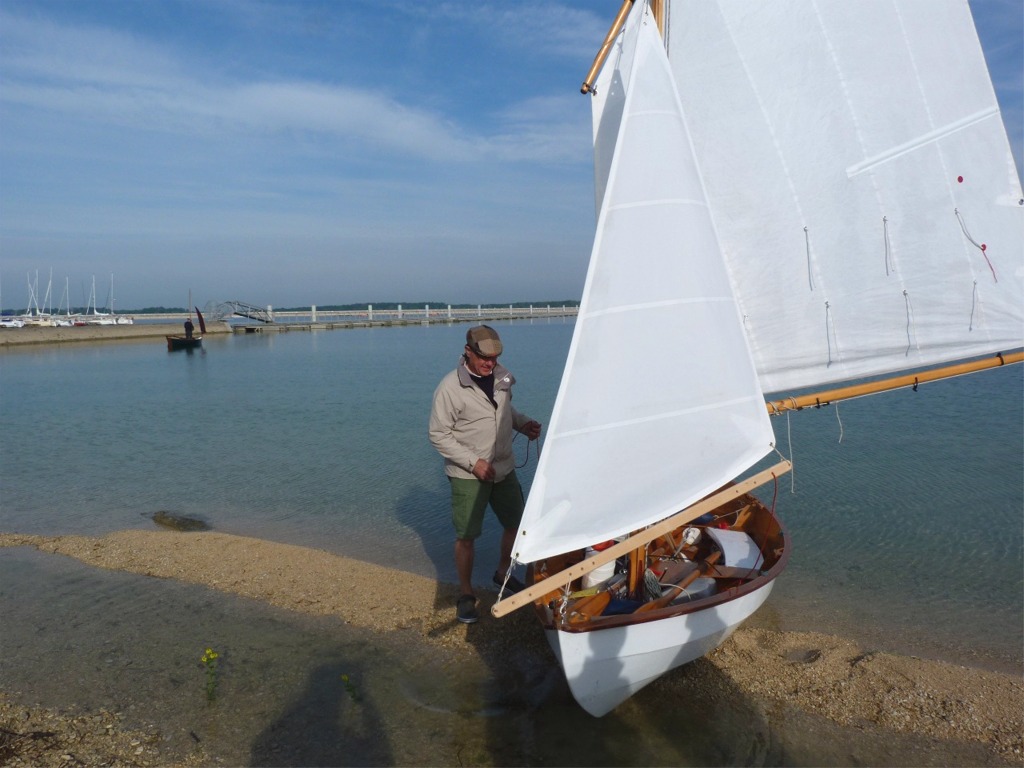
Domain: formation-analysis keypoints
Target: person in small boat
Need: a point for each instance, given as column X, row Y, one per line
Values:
column 189, row 328
column 471, row 425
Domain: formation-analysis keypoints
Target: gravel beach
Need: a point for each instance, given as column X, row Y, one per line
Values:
column 873, row 695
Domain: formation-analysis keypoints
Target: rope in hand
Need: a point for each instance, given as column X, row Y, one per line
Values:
column 528, row 441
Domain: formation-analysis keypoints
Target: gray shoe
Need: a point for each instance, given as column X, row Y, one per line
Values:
column 465, row 610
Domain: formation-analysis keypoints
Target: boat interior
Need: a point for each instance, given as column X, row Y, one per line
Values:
column 721, row 555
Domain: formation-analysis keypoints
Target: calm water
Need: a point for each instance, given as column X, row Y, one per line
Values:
column 905, row 510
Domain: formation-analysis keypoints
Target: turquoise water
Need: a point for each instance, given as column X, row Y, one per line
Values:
column 905, row 510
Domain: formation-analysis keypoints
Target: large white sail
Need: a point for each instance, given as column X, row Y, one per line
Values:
column 860, row 180
column 659, row 403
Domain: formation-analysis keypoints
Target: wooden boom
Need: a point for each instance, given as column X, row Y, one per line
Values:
column 896, row 382
column 560, row 579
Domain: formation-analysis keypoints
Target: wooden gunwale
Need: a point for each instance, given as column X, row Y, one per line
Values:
column 777, row 531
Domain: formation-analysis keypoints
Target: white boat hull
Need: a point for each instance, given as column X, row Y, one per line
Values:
column 606, row 666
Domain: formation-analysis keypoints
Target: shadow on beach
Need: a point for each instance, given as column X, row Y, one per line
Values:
column 330, row 723
column 426, row 512
column 126, row 647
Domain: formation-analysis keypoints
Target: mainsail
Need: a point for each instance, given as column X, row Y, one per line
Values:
column 822, row 186
column 659, row 403
column 860, row 179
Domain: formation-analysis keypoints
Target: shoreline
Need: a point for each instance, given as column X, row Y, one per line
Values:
column 32, row 335
column 877, row 695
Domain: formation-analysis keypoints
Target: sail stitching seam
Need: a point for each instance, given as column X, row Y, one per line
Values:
column 660, row 417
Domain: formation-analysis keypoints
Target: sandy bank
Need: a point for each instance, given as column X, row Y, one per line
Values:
column 823, row 675
column 17, row 337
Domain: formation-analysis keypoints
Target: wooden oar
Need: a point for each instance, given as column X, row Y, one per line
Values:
column 702, row 568
column 531, row 593
column 587, row 607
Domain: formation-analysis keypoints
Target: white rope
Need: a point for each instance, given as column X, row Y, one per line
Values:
column 508, row 575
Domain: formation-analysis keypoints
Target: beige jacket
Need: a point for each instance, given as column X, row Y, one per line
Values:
column 464, row 426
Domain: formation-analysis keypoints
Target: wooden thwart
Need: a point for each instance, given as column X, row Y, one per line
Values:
column 560, row 579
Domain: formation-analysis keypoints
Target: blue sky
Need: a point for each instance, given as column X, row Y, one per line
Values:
column 292, row 153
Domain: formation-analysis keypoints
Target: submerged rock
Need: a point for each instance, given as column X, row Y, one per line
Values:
column 179, row 522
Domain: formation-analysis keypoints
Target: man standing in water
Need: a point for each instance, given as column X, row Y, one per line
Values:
column 471, row 424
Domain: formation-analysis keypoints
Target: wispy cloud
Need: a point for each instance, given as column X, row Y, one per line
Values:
column 386, row 146
column 100, row 76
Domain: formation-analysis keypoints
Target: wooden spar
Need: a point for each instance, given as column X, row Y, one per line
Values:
column 637, row 566
column 560, row 579
column 658, row 11
column 896, row 382
column 602, row 54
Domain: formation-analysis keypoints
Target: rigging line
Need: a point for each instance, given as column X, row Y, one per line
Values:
column 888, row 245
column 840, row 421
column 789, row 440
column 807, row 244
column 828, row 336
column 508, row 575
column 775, row 492
column 974, row 304
column 980, row 246
column 910, row 321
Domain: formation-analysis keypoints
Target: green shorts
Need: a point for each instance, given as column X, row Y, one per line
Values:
column 471, row 497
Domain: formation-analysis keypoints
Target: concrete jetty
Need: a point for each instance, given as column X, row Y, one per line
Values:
column 284, row 322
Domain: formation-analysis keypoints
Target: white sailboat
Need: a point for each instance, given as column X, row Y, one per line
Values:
column 92, row 315
column 34, row 315
column 67, row 320
column 791, row 194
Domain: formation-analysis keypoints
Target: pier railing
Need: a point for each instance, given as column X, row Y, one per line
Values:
column 314, row 318
column 425, row 313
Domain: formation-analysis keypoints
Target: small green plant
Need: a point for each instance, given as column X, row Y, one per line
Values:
column 209, row 660
column 350, row 687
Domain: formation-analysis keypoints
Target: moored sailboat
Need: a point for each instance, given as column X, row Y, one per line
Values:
column 772, row 216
